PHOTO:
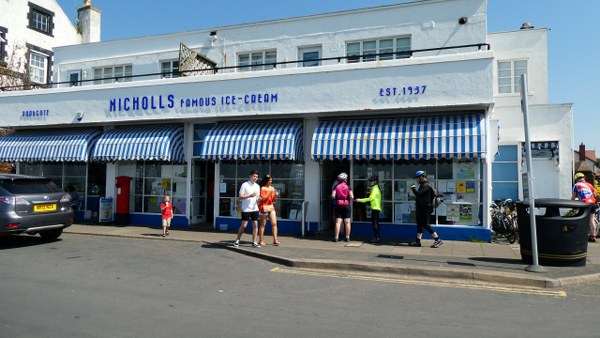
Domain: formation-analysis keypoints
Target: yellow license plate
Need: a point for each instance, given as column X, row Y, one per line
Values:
column 44, row 207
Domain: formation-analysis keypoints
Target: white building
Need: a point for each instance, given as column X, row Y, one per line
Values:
column 30, row 30
column 380, row 91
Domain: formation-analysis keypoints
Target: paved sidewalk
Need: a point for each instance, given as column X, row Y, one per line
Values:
column 494, row 263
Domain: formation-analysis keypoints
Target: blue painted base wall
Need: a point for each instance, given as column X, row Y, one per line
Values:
column 359, row 229
column 364, row 230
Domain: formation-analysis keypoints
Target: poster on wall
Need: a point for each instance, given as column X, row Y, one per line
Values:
column 105, row 208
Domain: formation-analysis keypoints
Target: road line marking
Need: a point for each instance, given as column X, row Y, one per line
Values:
column 539, row 292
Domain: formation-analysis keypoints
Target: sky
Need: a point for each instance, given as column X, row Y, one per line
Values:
column 573, row 42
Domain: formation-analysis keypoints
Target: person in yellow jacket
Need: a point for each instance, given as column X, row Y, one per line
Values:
column 375, row 200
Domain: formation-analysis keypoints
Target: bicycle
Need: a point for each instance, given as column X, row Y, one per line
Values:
column 504, row 220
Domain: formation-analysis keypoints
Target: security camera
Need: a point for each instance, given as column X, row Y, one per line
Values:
column 463, row 20
column 79, row 116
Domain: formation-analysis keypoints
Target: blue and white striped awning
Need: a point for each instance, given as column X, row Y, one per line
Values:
column 48, row 145
column 277, row 141
column 140, row 144
column 406, row 138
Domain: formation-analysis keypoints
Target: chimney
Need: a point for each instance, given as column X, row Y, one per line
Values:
column 88, row 22
column 581, row 152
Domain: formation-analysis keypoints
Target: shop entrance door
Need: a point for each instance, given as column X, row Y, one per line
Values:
column 202, row 192
column 329, row 172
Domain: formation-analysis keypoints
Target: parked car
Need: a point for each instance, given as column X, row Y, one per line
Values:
column 32, row 205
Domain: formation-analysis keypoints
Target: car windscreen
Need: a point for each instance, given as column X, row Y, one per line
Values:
column 29, row 186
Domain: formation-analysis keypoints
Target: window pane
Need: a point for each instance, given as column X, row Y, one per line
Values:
column 352, row 51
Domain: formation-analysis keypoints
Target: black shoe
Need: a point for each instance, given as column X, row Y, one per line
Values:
column 415, row 243
column 347, row 239
column 437, row 243
column 375, row 240
column 591, row 239
column 335, row 239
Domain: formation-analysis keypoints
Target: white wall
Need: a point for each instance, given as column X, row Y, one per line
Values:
column 13, row 15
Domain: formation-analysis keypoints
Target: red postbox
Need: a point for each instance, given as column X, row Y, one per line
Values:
column 122, row 186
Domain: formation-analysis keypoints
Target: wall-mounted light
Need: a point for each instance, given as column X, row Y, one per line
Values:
column 79, row 115
column 463, row 20
column 213, row 38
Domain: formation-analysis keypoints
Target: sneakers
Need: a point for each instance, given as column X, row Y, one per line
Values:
column 414, row 243
column 335, row 239
column 591, row 239
column 236, row 243
column 255, row 245
column 347, row 239
column 437, row 243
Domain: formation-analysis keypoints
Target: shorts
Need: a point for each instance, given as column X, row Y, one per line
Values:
column 267, row 213
column 342, row 211
column 166, row 222
column 252, row 215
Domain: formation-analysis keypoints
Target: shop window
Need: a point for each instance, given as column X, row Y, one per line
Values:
column 88, row 179
column 457, row 179
column 288, row 180
column 152, row 181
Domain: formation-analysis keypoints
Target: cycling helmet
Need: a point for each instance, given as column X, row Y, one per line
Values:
column 579, row 176
column 420, row 173
column 342, row 177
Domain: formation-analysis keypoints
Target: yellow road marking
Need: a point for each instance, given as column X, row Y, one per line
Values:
column 539, row 292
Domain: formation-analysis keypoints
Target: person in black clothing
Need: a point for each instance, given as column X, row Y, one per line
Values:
column 424, row 203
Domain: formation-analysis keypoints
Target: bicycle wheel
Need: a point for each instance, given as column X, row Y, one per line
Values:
column 509, row 230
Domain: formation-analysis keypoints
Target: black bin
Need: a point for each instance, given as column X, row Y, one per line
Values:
column 561, row 240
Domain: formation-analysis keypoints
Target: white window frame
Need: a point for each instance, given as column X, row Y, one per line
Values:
column 509, row 75
column 113, row 74
column 256, row 60
column 361, row 51
column 310, row 62
column 169, row 69
column 38, row 67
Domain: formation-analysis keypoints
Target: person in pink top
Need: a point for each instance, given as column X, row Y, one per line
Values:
column 585, row 192
column 342, row 194
column 166, row 207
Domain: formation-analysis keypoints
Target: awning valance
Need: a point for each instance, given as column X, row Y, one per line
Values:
column 406, row 138
column 140, row 144
column 277, row 141
column 48, row 145
column 552, row 146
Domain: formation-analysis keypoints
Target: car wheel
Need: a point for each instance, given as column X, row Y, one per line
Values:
column 51, row 235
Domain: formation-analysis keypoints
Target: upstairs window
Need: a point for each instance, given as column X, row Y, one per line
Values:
column 257, row 61
column 40, row 19
column 310, row 56
column 509, row 75
column 378, row 49
column 38, row 67
column 169, row 69
column 113, row 74
column 3, row 43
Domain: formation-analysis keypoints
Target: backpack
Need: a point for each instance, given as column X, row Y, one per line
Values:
column 437, row 198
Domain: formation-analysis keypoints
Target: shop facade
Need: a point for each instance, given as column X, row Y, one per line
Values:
column 383, row 99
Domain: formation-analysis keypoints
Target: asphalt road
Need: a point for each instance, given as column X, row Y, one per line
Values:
column 93, row 286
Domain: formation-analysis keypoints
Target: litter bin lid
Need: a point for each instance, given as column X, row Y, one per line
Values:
column 556, row 202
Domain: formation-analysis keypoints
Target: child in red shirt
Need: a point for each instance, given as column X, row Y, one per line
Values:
column 167, row 214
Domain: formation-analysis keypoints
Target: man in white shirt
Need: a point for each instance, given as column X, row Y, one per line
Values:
column 249, row 195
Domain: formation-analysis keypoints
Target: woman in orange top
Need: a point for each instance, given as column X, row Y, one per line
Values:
column 266, row 209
